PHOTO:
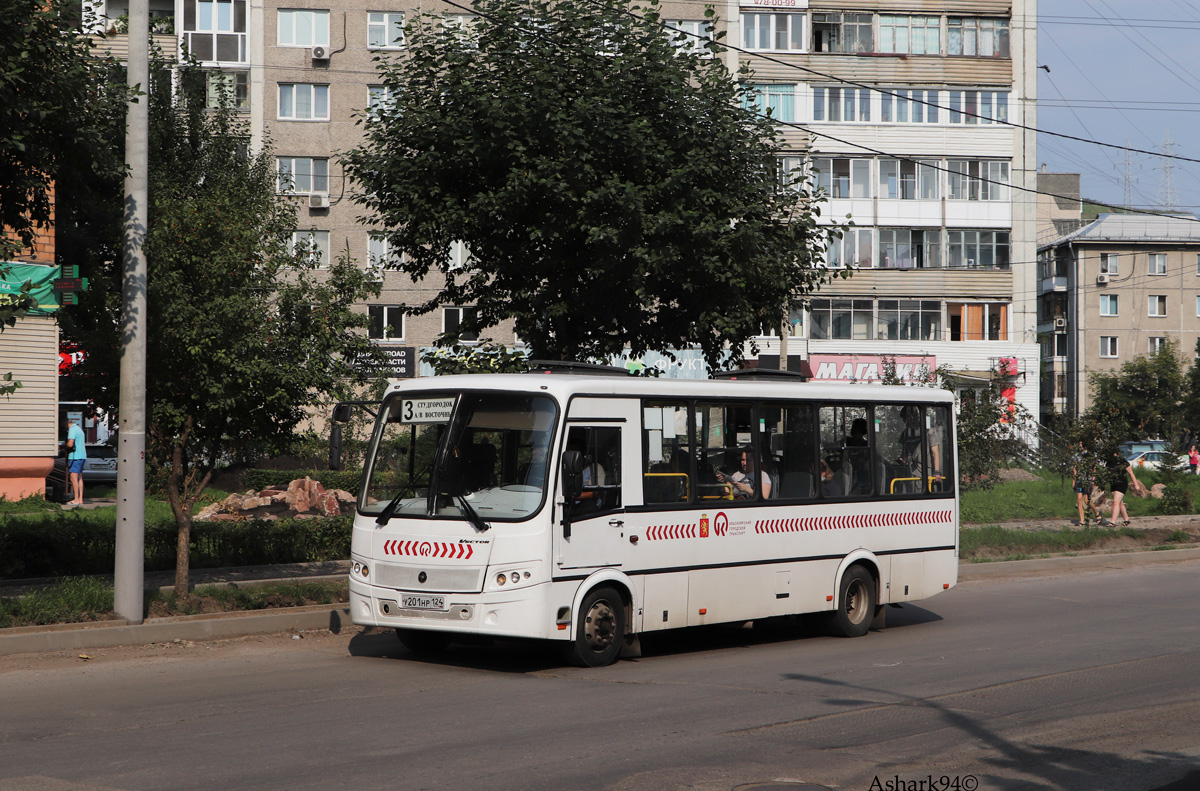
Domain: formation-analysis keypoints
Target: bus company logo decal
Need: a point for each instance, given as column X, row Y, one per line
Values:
column 721, row 524
column 428, row 549
column 852, row 520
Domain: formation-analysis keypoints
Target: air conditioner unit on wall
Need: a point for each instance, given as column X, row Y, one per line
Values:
column 1060, row 324
column 320, row 53
column 318, row 201
column 1102, row 279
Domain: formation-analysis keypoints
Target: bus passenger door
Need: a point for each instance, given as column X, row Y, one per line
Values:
column 597, row 517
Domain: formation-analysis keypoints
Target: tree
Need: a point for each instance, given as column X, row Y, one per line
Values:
column 1142, row 397
column 54, row 95
column 608, row 180
column 242, row 333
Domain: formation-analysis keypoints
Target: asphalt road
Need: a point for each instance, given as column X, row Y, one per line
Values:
column 1084, row 681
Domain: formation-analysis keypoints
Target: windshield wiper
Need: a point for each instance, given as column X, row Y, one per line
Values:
column 472, row 515
column 391, row 507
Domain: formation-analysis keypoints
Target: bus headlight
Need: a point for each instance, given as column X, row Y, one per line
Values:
column 360, row 570
column 501, row 578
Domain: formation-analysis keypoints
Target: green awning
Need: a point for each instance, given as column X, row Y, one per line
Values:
column 14, row 275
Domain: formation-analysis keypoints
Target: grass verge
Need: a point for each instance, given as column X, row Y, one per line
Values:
column 84, row 599
column 981, row 544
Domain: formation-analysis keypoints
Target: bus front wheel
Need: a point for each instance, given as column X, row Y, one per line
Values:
column 855, row 604
column 600, row 630
column 421, row 642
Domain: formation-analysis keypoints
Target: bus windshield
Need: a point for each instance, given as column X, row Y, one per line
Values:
column 445, row 455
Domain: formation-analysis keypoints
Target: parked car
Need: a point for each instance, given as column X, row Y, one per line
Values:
column 1155, row 460
column 1131, row 449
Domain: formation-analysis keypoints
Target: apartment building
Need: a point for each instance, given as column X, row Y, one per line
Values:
column 1117, row 288
column 899, row 110
column 896, row 111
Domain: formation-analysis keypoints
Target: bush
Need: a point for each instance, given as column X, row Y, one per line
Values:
column 347, row 480
column 73, row 543
column 1176, row 499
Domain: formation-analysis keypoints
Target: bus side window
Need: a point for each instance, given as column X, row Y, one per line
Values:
column 666, row 453
column 793, row 449
column 601, row 451
column 900, row 449
column 937, row 431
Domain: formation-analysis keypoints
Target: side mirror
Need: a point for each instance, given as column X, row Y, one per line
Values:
column 572, row 475
column 342, row 413
column 335, row 446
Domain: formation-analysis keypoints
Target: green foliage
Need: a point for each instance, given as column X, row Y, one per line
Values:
column 71, row 600
column 611, row 187
column 346, row 480
column 1176, row 499
column 72, row 543
column 1007, row 542
column 486, row 358
column 227, row 598
column 54, row 95
column 990, row 430
column 1142, row 397
column 242, row 334
column 26, row 505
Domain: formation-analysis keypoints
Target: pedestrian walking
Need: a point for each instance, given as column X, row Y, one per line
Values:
column 76, row 456
column 1120, row 476
column 1193, row 460
column 1083, row 472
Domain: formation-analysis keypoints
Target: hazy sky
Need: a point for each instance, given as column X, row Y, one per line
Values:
column 1125, row 72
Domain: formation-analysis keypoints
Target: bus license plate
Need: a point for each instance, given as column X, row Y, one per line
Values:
column 423, row 602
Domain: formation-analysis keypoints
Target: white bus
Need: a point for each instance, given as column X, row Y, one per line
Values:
column 590, row 509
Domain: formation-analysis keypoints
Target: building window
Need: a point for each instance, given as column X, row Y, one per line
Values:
column 1158, row 264
column 904, row 179
column 303, row 28
column 1060, row 382
column 795, row 325
column 691, row 35
column 303, row 175
column 1198, row 305
column 1108, row 305
column 230, row 87
column 379, row 97
column 910, row 35
column 385, row 30
column 778, row 98
column 311, row 248
column 387, row 322
column 978, row 107
column 842, row 178
column 1108, row 346
column 908, row 106
column 1156, row 344
column 853, row 249
column 977, row 180
column 841, row 104
column 910, row 320
column 904, row 248
column 841, row 319
column 985, row 38
column 453, row 318
column 842, row 32
column 978, row 249
column 215, row 31
column 1157, row 305
column 1110, row 264
column 380, row 254
column 303, row 102
column 1060, row 344
column 783, row 32
column 793, row 172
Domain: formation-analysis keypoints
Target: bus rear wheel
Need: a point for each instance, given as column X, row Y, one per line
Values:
column 422, row 642
column 855, row 604
column 600, row 630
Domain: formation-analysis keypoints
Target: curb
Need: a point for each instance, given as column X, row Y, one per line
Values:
column 73, row 637
column 1044, row 567
column 335, row 617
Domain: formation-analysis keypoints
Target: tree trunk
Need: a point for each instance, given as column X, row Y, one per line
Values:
column 182, row 543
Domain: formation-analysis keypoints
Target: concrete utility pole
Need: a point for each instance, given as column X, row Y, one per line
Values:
column 130, row 569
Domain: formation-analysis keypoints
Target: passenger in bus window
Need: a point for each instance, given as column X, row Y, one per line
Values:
column 829, row 486
column 743, row 479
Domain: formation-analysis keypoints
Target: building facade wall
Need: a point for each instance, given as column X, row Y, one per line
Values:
column 28, row 417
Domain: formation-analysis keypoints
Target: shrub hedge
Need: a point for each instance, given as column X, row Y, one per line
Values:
column 71, row 544
column 258, row 480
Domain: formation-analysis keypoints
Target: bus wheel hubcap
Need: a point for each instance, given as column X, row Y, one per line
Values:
column 856, row 596
column 600, row 627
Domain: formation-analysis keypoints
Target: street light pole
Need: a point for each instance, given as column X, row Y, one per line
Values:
column 130, row 568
